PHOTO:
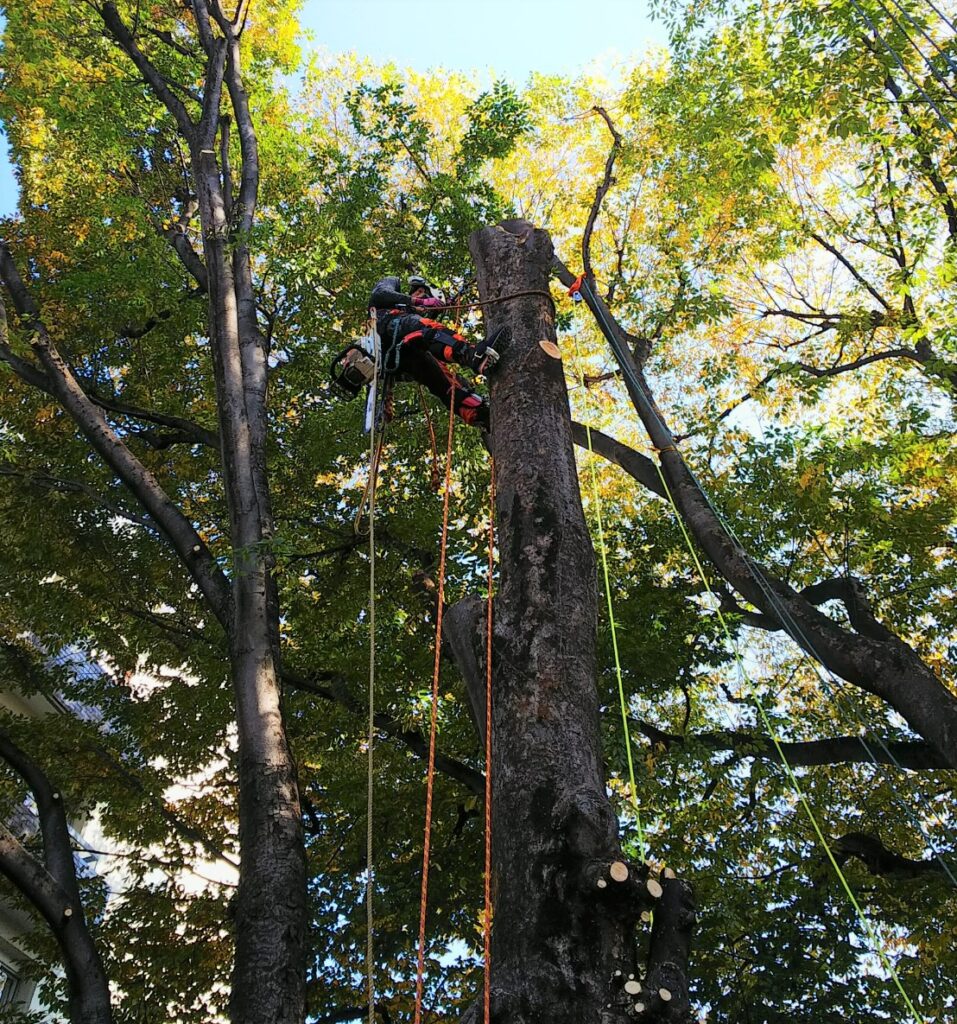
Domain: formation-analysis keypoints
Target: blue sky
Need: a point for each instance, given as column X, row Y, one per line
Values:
column 499, row 38
column 511, row 37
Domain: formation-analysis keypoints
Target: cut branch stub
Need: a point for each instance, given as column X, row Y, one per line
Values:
column 618, row 871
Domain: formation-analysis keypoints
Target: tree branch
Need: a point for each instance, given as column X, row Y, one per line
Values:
column 927, row 165
column 52, row 888
column 57, row 851
column 337, row 692
column 881, row 861
column 248, row 144
column 205, row 29
column 187, row 428
column 632, row 462
column 888, row 668
column 151, row 76
column 192, row 550
column 600, row 191
column 852, row 270
column 913, row 755
column 76, row 487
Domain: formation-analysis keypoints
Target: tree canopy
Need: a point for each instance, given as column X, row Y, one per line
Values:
column 768, row 213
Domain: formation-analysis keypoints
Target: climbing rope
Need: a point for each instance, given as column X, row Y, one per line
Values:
column 433, row 720
column 487, row 923
column 369, row 492
column 869, row 928
column 665, row 445
column 492, row 302
column 375, row 452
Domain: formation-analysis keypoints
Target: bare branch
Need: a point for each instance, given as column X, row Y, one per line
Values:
column 913, row 755
column 57, row 855
column 215, row 72
column 249, row 146
column 854, row 272
column 600, row 192
column 888, row 668
column 151, row 76
column 29, row 875
column 51, row 887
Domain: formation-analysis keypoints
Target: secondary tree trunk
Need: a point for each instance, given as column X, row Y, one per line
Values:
column 562, row 926
column 269, row 970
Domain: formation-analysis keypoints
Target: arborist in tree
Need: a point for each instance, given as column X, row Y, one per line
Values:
column 415, row 345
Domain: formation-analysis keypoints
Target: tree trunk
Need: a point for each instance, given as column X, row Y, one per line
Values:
column 562, row 926
column 52, row 889
column 269, row 970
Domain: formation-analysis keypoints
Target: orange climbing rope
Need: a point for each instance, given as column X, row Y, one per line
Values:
column 488, row 751
column 433, row 724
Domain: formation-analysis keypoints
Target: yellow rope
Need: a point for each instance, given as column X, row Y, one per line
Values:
column 633, row 793
column 867, row 926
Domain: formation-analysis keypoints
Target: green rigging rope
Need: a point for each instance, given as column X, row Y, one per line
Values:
column 614, row 630
column 789, row 771
column 639, row 397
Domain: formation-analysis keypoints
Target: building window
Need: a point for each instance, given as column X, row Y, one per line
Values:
column 9, row 983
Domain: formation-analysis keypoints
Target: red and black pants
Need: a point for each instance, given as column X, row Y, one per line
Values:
column 420, row 347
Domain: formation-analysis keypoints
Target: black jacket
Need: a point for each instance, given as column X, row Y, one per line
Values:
column 386, row 296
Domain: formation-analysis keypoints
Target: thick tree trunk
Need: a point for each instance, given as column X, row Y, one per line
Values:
column 562, row 926
column 269, row 972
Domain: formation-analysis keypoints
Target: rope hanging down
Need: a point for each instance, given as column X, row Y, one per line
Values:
column 633, row 792
column 663, row 443
column 433, row 721
column 791, row 627
column 375, row 452
column 487, row 923
column 869, row 928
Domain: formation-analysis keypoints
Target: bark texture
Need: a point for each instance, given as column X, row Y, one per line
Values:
column 559, row 933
